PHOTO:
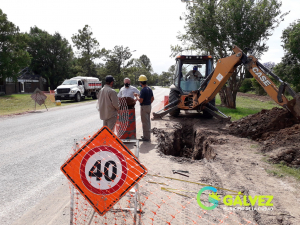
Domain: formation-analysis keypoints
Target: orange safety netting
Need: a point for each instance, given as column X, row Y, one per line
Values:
column 50, row 95
column 158, row 199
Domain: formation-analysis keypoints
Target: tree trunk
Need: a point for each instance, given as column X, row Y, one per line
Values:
column 229, row 91
column 228, row 97
column 222, row 94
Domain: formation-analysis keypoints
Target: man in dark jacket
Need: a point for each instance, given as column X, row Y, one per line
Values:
column 146, row 98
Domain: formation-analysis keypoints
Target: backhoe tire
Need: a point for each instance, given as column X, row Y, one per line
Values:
column 77, row 97
column 173, row 96
column 206, row 114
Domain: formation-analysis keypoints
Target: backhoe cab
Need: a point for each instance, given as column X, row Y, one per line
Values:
column 185, row 78
column 190, row 72
column 194, row 93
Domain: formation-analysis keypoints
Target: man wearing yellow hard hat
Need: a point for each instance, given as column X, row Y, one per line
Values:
column 145, row 98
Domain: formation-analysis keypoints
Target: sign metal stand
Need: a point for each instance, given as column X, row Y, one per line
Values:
column 72, row 189
column 135, row 189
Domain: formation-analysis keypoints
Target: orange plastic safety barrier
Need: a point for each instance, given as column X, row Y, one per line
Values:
column 166, row 101
column 130, row 132
column 160, row 200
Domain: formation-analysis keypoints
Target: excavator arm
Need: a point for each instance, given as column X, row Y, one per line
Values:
column 225, row 67
column 262, row 75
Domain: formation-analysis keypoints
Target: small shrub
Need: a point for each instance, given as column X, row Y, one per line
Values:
column 257, row 87
column 246, row 85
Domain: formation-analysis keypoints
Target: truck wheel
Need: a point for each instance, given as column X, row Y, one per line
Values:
column 206, row 114
column 77, row 97
column 173, row 96
column 94, row 95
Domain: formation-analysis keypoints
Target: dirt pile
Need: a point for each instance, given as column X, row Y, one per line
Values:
column 278, row 132
column 288, row 142
column 186, row 140
column 254, row 126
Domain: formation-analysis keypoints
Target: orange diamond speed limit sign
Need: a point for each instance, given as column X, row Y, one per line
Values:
column 103, row 170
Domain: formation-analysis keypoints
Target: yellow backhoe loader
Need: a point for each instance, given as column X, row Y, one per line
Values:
column 192, row 91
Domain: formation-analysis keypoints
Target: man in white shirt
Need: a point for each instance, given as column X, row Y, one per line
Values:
column 194, row 74
column 128, row 90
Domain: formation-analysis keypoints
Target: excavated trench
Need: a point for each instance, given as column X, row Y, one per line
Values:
column 277, row 131
column 188, row 141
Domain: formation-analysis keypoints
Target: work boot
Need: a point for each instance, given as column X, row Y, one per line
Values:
column 144, row 139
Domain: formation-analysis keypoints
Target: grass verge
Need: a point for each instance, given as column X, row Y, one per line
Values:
column 20, row 103
column 289, row 97
column 281, row 170
column 244, row 106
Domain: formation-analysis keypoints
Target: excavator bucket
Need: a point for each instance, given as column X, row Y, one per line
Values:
column 294, row 106
column 158, row 115
column 167, row 108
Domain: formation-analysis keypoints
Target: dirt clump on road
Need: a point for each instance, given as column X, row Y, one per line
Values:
column 254, row 126
column 188, row 140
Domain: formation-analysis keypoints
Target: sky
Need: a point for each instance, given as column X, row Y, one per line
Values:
column 147, row 26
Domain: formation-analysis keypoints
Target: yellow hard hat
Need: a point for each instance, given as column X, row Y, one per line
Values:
column 142, row 78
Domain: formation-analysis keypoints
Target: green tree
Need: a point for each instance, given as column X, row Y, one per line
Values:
column 289, row 70
column 291, row 39
column 213, row 26
column 289, row 67
column 88, row 50
column 101, row 72
column 13, row 56
column 76, row 69
column 52, row 55
column 118, row 63
column 171, row 70
column 155, row 79
column 165, row 78
column 143, row 65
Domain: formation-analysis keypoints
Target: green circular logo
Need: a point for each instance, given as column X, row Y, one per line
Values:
column 213, row 198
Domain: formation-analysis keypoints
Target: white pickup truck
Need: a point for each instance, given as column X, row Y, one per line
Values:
column 78, row 88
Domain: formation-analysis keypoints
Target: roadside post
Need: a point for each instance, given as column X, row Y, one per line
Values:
column 72, row 189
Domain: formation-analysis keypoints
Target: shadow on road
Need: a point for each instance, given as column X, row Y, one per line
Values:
column 73, row 102
column 146, row 147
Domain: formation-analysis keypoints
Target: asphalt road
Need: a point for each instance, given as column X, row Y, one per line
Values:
column 33, row 146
